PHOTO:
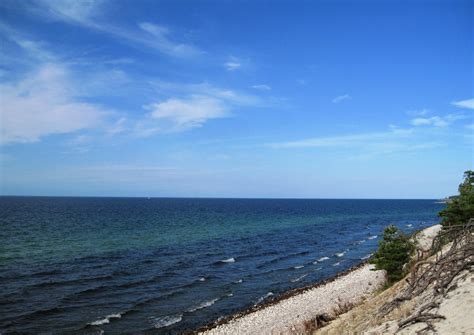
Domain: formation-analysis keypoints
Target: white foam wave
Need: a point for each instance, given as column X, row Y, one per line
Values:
column 238, row 281
column 228, row 260
column 340, row 254
column 298, row 279
column 298, row 267
column 269, row 294
column 322, row 259
column 372, row 237
column 203, row 305
column 336, row 264
column 167, row 320
column 106, row 319
column 409, row 225
column 366, row 257
column 202, row 279
column 230, row 294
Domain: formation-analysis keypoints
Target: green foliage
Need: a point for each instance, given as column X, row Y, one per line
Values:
column 393, row 253
column 460, row 208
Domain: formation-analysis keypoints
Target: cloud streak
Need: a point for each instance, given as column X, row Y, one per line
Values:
column 343, row 140
column 468, row 104
column 89, row 14
column 437, row 121
column 341, row 98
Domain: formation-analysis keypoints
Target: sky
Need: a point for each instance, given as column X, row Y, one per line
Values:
column 255, row 99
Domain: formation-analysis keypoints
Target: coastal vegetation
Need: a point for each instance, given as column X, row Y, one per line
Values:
column 461, row 207
column 393, row 253
column 396, row 248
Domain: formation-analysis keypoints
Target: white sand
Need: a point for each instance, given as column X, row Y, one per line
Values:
column 426, row 236
column 289, row 315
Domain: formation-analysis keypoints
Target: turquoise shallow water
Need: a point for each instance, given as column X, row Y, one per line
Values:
column 140, row 265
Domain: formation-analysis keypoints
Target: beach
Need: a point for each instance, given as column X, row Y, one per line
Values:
column 298, row 313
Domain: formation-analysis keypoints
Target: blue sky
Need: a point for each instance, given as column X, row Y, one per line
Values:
column 292, row 99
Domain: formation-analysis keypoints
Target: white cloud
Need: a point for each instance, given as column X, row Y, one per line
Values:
column 190, row 106
column 261, row 87
column 183, row 114
column 43, row 104
column 233, row 64
column 341, row 98
column 469, row 103
column 437, row 121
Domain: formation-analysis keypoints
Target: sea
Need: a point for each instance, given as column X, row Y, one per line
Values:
column 84, row 265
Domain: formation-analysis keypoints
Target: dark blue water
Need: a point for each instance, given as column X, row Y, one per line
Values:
column 130, row 265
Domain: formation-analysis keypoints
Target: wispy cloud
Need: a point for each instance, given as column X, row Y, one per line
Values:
column 163, row 42
column 205, row 89
column 419, row 112
column 341, row 98
column 365, row 145
column 261, row 87
column 469, row 103
column 44, row 103
column 233, row 64
column 183, row 114
column 343, row 140
column 90, row 14
column 82, row 12
column 437, row 121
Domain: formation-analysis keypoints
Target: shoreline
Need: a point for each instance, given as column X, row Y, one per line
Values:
column 294, row 309
column 297, row 310
column 276, row 300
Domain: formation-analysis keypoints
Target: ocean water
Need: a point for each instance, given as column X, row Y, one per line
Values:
column 161, row 266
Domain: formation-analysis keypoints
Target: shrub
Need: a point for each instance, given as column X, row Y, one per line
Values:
column 393, row 253
column 460, row 208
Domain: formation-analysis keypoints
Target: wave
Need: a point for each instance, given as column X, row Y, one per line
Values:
column 238, row 281
column 372, row 237
column 202, row 305
column 299, row 278
column 322, row 259
column 202, row 279
column 269, row 294
column 298, row 267
column 366, row 257
column 281, row 258
column 167, row 320
column 358, row 242
column 340, row 254
column 228, row 260
column 409, row 225
column 338, row 263
column 106, row 319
